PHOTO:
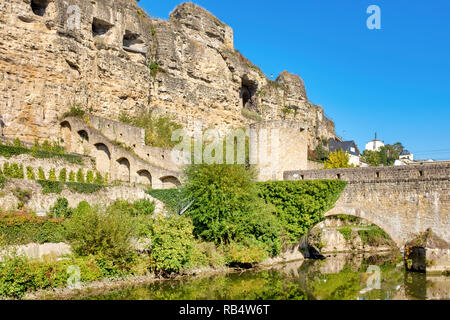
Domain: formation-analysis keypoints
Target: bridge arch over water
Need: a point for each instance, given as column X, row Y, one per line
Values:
column 403, row 201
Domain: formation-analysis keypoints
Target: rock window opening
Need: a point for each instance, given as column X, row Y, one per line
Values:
column 248, row 90
column 100, row 27
column 132, row 42
column 39, row 7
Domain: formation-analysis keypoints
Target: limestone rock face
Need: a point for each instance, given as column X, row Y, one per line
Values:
column 109, row 57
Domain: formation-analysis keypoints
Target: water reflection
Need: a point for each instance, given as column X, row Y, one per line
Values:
column 339, row 277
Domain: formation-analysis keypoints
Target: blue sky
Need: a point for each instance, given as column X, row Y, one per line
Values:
column 394, row 81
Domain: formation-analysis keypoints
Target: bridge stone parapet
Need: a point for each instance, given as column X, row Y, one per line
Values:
column 421, row 172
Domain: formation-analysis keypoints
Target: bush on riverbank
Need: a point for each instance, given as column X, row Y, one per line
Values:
column 19, row 275
column 95, row 232
column 227, row 209
column 172, row 244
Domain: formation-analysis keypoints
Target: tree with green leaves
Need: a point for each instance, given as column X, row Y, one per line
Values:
column 338, row 159
column 226, row 207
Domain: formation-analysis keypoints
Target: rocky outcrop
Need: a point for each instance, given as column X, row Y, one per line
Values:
column 117, row 59
column 334, row 235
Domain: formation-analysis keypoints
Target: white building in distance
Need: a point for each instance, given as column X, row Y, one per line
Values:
column 374, row 145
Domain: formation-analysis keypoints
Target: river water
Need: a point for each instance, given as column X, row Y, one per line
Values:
column 338, row 277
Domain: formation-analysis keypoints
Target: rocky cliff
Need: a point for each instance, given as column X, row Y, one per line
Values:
column 109, row 57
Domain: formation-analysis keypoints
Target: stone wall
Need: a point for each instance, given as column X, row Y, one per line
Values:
column 120, row 162
column 280, row 146
column 314, row 165
column 134, row 138
column 403, row 201
column 421, row 172
column 119, row 60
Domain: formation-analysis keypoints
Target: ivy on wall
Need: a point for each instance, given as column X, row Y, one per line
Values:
column 299, row 205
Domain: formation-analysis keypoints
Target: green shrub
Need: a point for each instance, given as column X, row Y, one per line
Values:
column 52, row 175
column 6, row 170
column 20, row 229
column 17, row 143
column 90, row 177
column 206, row 254
column 41, row 174
column 106, row 178
column 172, row 198
column 144, row 207
column 80, row 176
column 141, row 207
column 61, row 209
column 158, row 129
column 23, row 195
column 92, row 231
column 241, row 254
column 299, row 205
column 252, row 115
column 172, row 244
column 83, row 187
column 374, row 236
column 99, row 179
column 30, row 173
column 54, row 151
column 346, row 232
column 19, row 275
column 2, row 181
column 75, row 111
column 72, row 176
column 227, row 209
column 49, row 187
column 63, row 175
column 13, row 170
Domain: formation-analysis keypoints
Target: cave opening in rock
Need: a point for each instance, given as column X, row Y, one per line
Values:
column 39, row 6
column 245, row 96
column 248, row 90
column 100, row 27
column 133, row 42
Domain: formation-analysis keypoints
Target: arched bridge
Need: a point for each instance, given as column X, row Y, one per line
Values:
column 404, row 201
column 114, row 158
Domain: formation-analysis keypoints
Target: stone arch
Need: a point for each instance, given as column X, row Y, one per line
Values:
column 123, row 169
column 102, row 158
column 386, row 227
column 170, row 182
column 144, row 177
column 84, row 136
column 66, row 135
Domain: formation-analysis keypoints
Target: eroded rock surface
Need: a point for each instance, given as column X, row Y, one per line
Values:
column 109, row 57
